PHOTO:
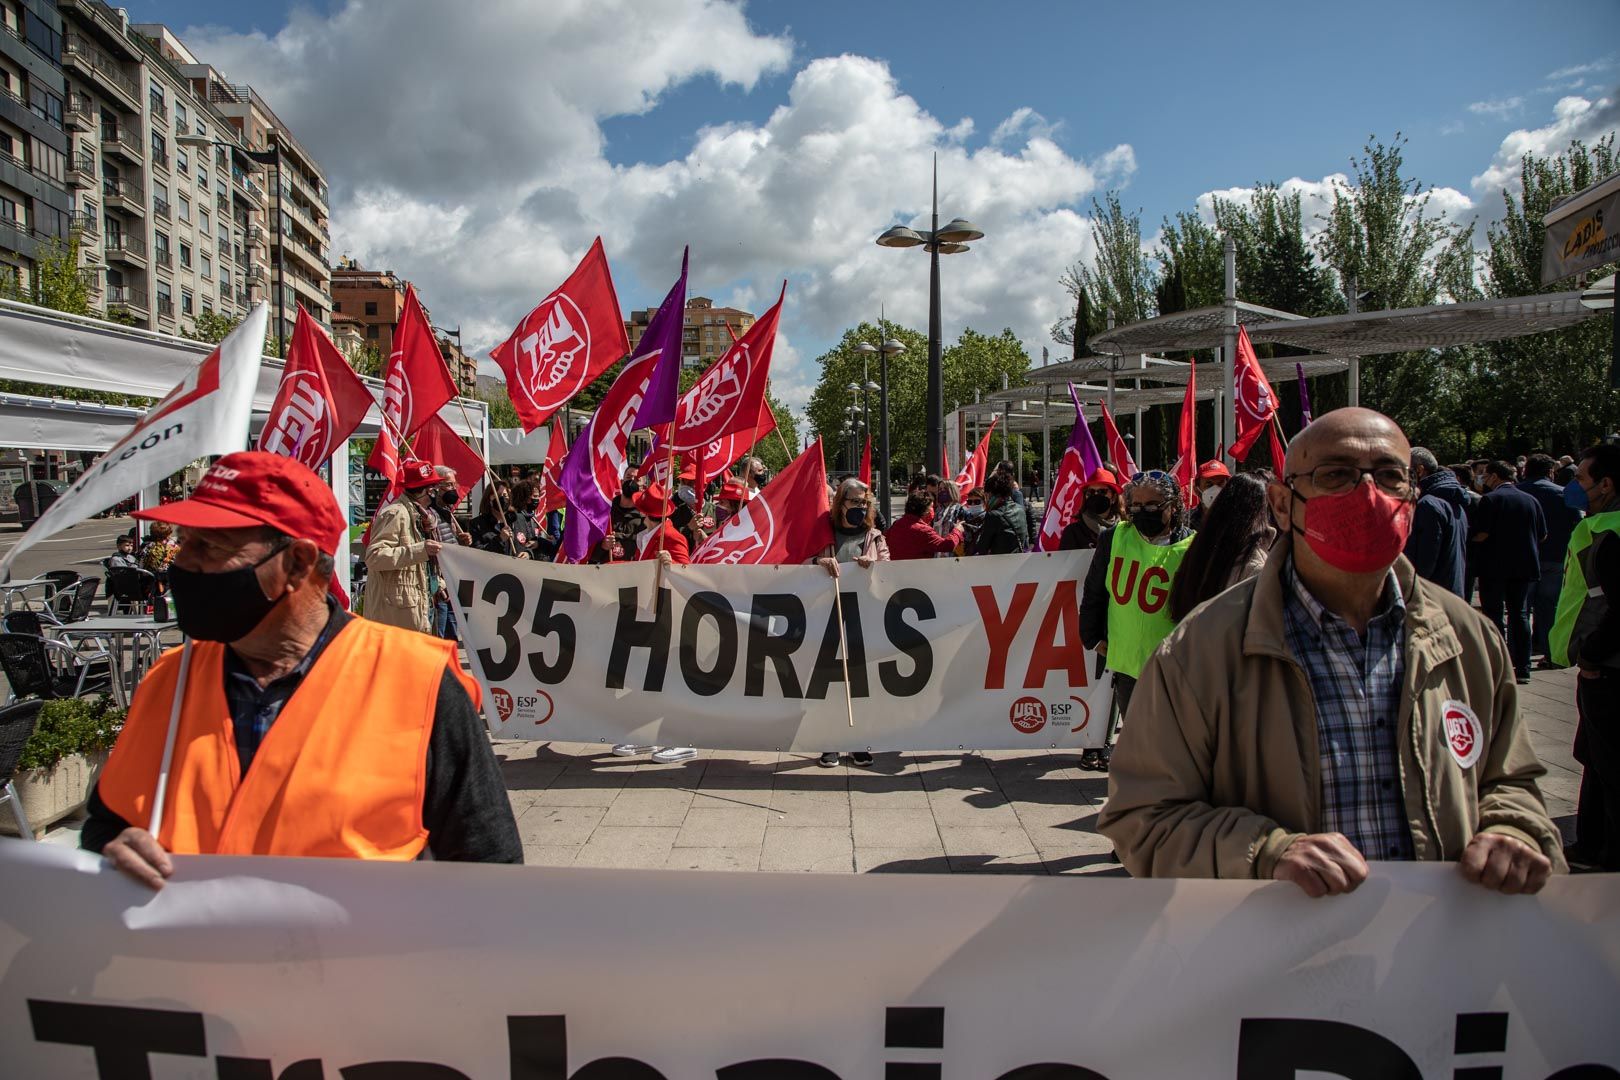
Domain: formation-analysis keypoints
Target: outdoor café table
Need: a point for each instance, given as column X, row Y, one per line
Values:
column 143, row 633
column 13, row 589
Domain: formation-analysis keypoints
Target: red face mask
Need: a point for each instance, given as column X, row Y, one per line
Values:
column 1359, row 532
column 928, row 515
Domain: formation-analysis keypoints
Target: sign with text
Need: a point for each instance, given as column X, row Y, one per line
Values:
column 943, row 654
column 324, row 968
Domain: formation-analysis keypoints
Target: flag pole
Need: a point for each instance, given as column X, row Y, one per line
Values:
column 776, row 424
column 669, row 499
column 494, row 481
column 843, row 648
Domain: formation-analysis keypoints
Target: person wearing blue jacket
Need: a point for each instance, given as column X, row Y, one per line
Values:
column 1437, row 543
column 1510, row 528
column 1561, row 521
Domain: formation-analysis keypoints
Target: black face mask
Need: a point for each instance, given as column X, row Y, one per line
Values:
column 629, row 489
column 224, row 606
column 1099, row 505
column 1148, row 523
column 855, row 517
column 448, row 500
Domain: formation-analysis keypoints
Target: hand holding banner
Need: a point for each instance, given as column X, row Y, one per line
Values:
column 207, row 414
column 570, row 338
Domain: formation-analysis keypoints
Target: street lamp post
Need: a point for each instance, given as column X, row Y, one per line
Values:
column 950, row 240
column 271, row 157
column 890, row 347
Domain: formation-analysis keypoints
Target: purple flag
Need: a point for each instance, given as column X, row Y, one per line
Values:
column 1080, row 439
column 594, row 467
column 1304, row 395
column 658, row 407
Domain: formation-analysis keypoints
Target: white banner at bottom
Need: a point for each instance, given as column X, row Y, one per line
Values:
column 301, row 969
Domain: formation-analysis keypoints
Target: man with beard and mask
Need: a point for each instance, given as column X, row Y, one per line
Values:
column 1125, row 602
column 448, row 532
column 379, row 752
column 397, row 554
column 1587, row 634
column 1213, row 475
column 1099, row 511
column 1335, row 709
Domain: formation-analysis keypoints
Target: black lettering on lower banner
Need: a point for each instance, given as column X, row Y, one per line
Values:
column 910, row 640
column 714, row 606
column 777, row 649
column 829, row 666
column 633, row 632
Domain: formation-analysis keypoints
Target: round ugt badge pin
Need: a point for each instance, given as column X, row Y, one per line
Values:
column 1461, row 729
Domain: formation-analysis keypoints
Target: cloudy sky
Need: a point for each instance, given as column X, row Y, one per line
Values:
column 477, row 148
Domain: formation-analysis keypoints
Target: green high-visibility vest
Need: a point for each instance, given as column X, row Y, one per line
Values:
column 1580, row 604
column 1139, row 577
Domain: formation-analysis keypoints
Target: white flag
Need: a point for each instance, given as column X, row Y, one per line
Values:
column 208, row 413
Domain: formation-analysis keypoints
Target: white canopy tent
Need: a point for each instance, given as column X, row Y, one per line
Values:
column 51, row 348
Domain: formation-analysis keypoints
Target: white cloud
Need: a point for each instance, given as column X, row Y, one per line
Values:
column 485, row 191
column 1498, row 108
column 1573, row 118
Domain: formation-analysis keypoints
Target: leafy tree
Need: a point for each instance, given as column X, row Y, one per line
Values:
column 368, row 360
column 210, row 326
column 1191, row 259
column 1275, row 265
column 1120, row 281
column 502, row 414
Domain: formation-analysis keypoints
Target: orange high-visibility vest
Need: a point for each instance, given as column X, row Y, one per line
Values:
column 341, row 773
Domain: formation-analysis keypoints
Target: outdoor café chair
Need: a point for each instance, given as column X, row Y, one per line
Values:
column 16, row 725
column 129, row 590
column 51, row 669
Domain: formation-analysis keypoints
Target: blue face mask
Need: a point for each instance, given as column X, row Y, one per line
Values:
column 1575, row 496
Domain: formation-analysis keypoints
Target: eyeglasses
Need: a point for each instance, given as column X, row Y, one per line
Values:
column 1151, row 474
column 1334, row 479
column 1150, row 508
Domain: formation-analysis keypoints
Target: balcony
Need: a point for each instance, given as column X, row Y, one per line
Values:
column 165, row 307
column 123, row 194
column 103, row 70
column 81, row 170
column 127, row 296
column 126, row 248
column 86, row 223
column 160, row 159
column 123, row 142
column 161, row 208
column 222, row 203
column 164, row 257
column 247, row 184
column 80, row 113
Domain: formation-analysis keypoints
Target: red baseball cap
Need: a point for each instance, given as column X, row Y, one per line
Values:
column 1102, row 478
column 1213, row 467
column 653, row 502
column 418, row 474
column 733, row 491
column 252, row 488
column 688, row 473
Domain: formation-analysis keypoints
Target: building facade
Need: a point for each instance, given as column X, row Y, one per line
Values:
column 374, row 299
column 162, row 169
column 704, row 329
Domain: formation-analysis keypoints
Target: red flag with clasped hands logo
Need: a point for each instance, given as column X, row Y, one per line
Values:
column 320, row 401
column 1256, row 404
column 416, row 385
column 727, row 397
column 785, row 524
column 574, row 335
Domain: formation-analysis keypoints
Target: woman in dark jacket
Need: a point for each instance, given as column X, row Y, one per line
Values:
column 1006, row 528
column 491, row 529
column 1231, row 547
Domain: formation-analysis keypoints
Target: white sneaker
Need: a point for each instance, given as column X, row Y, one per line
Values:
column 630, row 749
column 675, row 753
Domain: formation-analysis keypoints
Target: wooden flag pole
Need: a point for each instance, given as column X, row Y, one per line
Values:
column 843, row 647
column 489, row 472
column 669, row 499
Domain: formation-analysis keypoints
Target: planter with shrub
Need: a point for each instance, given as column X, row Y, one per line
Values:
column 62, row 759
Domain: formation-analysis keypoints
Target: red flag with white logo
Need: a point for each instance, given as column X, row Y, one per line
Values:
column 320, row 400
column 437, row 444
column 553, row 497
column 416, row 385
column 1118, row 452
column 972, row 474
column 1256, row 404
column 866, row 463
column 727, row 398
column 786, row 524
column 574, row 335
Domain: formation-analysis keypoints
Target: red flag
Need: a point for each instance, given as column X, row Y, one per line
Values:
column 574, row 335
column 866, row 463
column 945, row 463
column 416, row 385
column 1256, row 404
column 320, row 401
column 437, row 444
column 1276, row 450
column 553, row 497
column 717, row 456
column 972, row 474
column 727, row 397
column 786, row 523
column 1118, row 452
column 1186, row 466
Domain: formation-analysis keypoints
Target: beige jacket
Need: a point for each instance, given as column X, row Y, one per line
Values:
column 1217, row 767
column 396, row 564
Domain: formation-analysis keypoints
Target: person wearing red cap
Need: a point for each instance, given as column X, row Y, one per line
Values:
column 378, row 751
column 1099, row 510
column 726, row 504
column 398, row 551
column 1213, row 475
column 657, row 507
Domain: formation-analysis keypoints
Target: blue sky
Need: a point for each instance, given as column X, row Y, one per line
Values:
column 788, row 136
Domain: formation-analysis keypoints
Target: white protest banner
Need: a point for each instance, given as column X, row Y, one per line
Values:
column 208, row 413
column 944, row 654
column 303, row 969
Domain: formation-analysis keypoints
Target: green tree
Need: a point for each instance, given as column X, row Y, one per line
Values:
column 502, row 414
column 368, row 359
column 1119, row 281
column 1275, row 265
column 211, row 326
column 1192, row 269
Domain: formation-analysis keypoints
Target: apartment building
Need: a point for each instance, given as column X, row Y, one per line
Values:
column 35, row 207
column 705, row 329
column 373, row 300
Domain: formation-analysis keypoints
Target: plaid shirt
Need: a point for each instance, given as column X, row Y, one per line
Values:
column 1357, row 687
column 253, row 707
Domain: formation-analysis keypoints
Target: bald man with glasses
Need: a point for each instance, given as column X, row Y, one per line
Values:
column 1337, row 709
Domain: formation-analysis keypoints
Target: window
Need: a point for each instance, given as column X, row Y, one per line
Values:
column 204, row 226
column 185, row 254
column 47, row 159
column 160, row 245
column 207, row 266
column 180, row 119
column 45, row 105
column 160, row 148
column 371, row 332
column 8, row 210
column 202, row 128
column 224, row 248
column 202, row 178
column 182, row 161
column 165, row 298
column 185, row 300
column 208, row 304
column 371, row 307
column 185, row 209
column 154, row 94
column 224, row 280
column 337, row 305
column 44, row 40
